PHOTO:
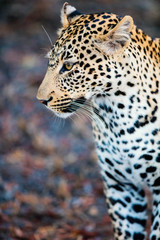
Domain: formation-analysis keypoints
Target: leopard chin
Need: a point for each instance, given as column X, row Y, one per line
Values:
column 62, row 115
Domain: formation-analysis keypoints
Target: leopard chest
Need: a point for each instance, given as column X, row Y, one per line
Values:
column 127, row 144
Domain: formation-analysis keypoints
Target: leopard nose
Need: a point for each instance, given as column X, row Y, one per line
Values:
column 45, row 102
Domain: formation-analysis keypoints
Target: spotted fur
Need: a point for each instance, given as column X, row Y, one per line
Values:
column 106, row 59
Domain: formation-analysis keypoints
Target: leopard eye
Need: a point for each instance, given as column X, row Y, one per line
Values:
column 66, row 67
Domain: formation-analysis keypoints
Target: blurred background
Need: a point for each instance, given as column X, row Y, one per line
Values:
column 50, row 185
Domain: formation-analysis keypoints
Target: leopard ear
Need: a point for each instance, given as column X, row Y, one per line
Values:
column 117, row 38
column 68, row 14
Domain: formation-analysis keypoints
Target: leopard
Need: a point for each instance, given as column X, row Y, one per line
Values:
column 102, row 63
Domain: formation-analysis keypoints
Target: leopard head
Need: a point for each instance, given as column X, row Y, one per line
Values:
column 81, row 62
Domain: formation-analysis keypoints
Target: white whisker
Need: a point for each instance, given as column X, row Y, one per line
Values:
column 87, row 109
column 47, row 35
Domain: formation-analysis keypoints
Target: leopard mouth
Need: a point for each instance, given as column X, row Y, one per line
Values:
column 68, row 107
column 75, row 105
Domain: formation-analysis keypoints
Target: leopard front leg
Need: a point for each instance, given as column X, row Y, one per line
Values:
column 155, row 231
column 127, row 206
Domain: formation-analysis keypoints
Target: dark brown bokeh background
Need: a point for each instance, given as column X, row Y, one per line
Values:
column 50, row 185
